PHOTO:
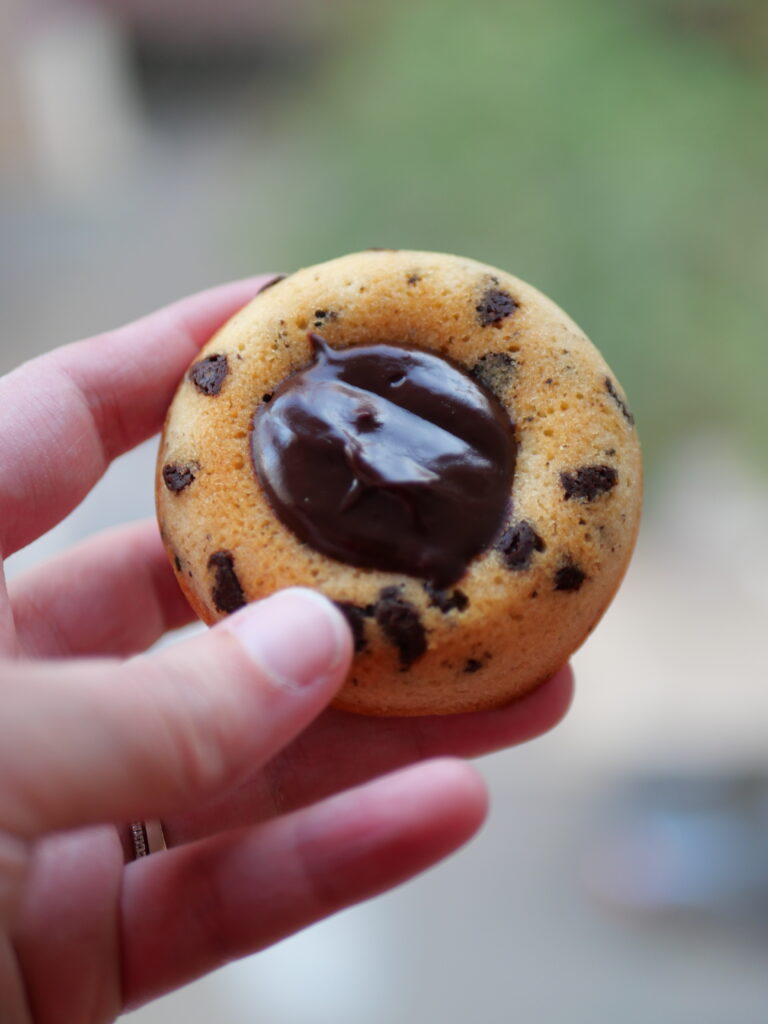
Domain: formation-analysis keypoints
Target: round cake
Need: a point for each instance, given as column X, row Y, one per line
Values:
column 430, row 442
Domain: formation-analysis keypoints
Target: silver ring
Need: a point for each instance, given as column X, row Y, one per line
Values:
column 147, row 837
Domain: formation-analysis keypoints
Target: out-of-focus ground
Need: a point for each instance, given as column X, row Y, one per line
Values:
column 138, row 165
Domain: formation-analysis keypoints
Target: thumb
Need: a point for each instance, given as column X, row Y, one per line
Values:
column 101, row 741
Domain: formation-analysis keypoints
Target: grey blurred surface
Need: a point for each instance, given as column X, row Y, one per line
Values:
column 673, row 680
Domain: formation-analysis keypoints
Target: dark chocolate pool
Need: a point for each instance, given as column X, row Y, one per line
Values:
column 387, row 457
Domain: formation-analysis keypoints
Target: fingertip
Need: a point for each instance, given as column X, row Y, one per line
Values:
column 296, row 637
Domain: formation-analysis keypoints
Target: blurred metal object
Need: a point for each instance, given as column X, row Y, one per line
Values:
column 685, row 846
column 147, row 837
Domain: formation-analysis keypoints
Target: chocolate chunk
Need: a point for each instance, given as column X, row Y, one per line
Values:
column 495, row 370
column 268, row 284
column 401, row 625
column 266, row 397
column 495, row 305
column 472, row 665
column 177, row 476
column 208, row 374
column 588, row 482
column 227, row 593
column 323, row 316
column 355, row 616
column 610, row 387
column 518, row 544
column 569, row 577
column 445, row 600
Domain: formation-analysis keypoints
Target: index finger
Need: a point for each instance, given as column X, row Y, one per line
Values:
column 65, row 415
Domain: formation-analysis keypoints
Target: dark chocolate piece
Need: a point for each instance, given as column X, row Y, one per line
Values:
column 387, row 458
column 445, row 600
column 177, row 476
column 177, row 563
column 495, row 306
column 355, row 616
column 569, row 577
column 227, row 593
column 588, row 482
column 610, row 387
column 324, row 316
column 518, row 544
column 268, row 284
column 495, row 370
column 208, row 374
column 472, row 665
column 401, row 624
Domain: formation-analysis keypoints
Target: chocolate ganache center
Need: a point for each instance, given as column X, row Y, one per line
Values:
column 388, row 458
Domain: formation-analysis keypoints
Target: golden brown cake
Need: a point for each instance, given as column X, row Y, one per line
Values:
column 440, row 633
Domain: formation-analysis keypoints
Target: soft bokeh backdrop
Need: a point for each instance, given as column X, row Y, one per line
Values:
column 616, row 155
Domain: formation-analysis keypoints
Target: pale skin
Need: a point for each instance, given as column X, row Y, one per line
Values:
column 278, row 810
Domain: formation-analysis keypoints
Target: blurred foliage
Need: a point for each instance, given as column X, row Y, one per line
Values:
column 613, row 152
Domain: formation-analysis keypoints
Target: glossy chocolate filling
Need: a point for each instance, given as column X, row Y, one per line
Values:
column 388, row 458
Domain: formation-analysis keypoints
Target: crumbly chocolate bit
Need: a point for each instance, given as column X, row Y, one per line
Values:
column 588, row 482
column 569, row 577
column 446, row 600
column 610, row 387
column 268, row 284
column 227, row 593
column 324, row 316
column 495, row 306
column 518, row 544
column 401, row 624
column 177, row 476
column 472, row 665
column 495, row 370
column 208, row 374
column 356, row 616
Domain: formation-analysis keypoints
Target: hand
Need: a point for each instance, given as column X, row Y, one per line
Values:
column 267, row 801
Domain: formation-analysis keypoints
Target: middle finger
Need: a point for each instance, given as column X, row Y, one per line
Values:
column 340, row 750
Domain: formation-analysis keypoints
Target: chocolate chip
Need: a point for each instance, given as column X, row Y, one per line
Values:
column 177, row 563
column 569, row 577
column 495, row 305
column 355, row 616
column 177, row 476
column 495, row 370
column 267, row 397
column 518, row 544
column 208, row 374
column 472, row 665
column 401, row 625
column 588, row 482
column 227, row 593
column 324, row 316
column 413, row 278
column 445, row 600
column 610, row 387
column 268, row 284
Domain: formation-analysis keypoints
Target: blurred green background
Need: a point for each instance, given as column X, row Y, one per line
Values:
column 613, row 153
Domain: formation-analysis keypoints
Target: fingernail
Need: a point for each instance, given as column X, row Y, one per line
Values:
column 296, row 637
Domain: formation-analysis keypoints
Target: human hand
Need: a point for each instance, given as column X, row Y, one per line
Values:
column 269, row 808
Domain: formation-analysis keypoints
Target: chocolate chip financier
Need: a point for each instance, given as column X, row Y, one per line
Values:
column 428, row 441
